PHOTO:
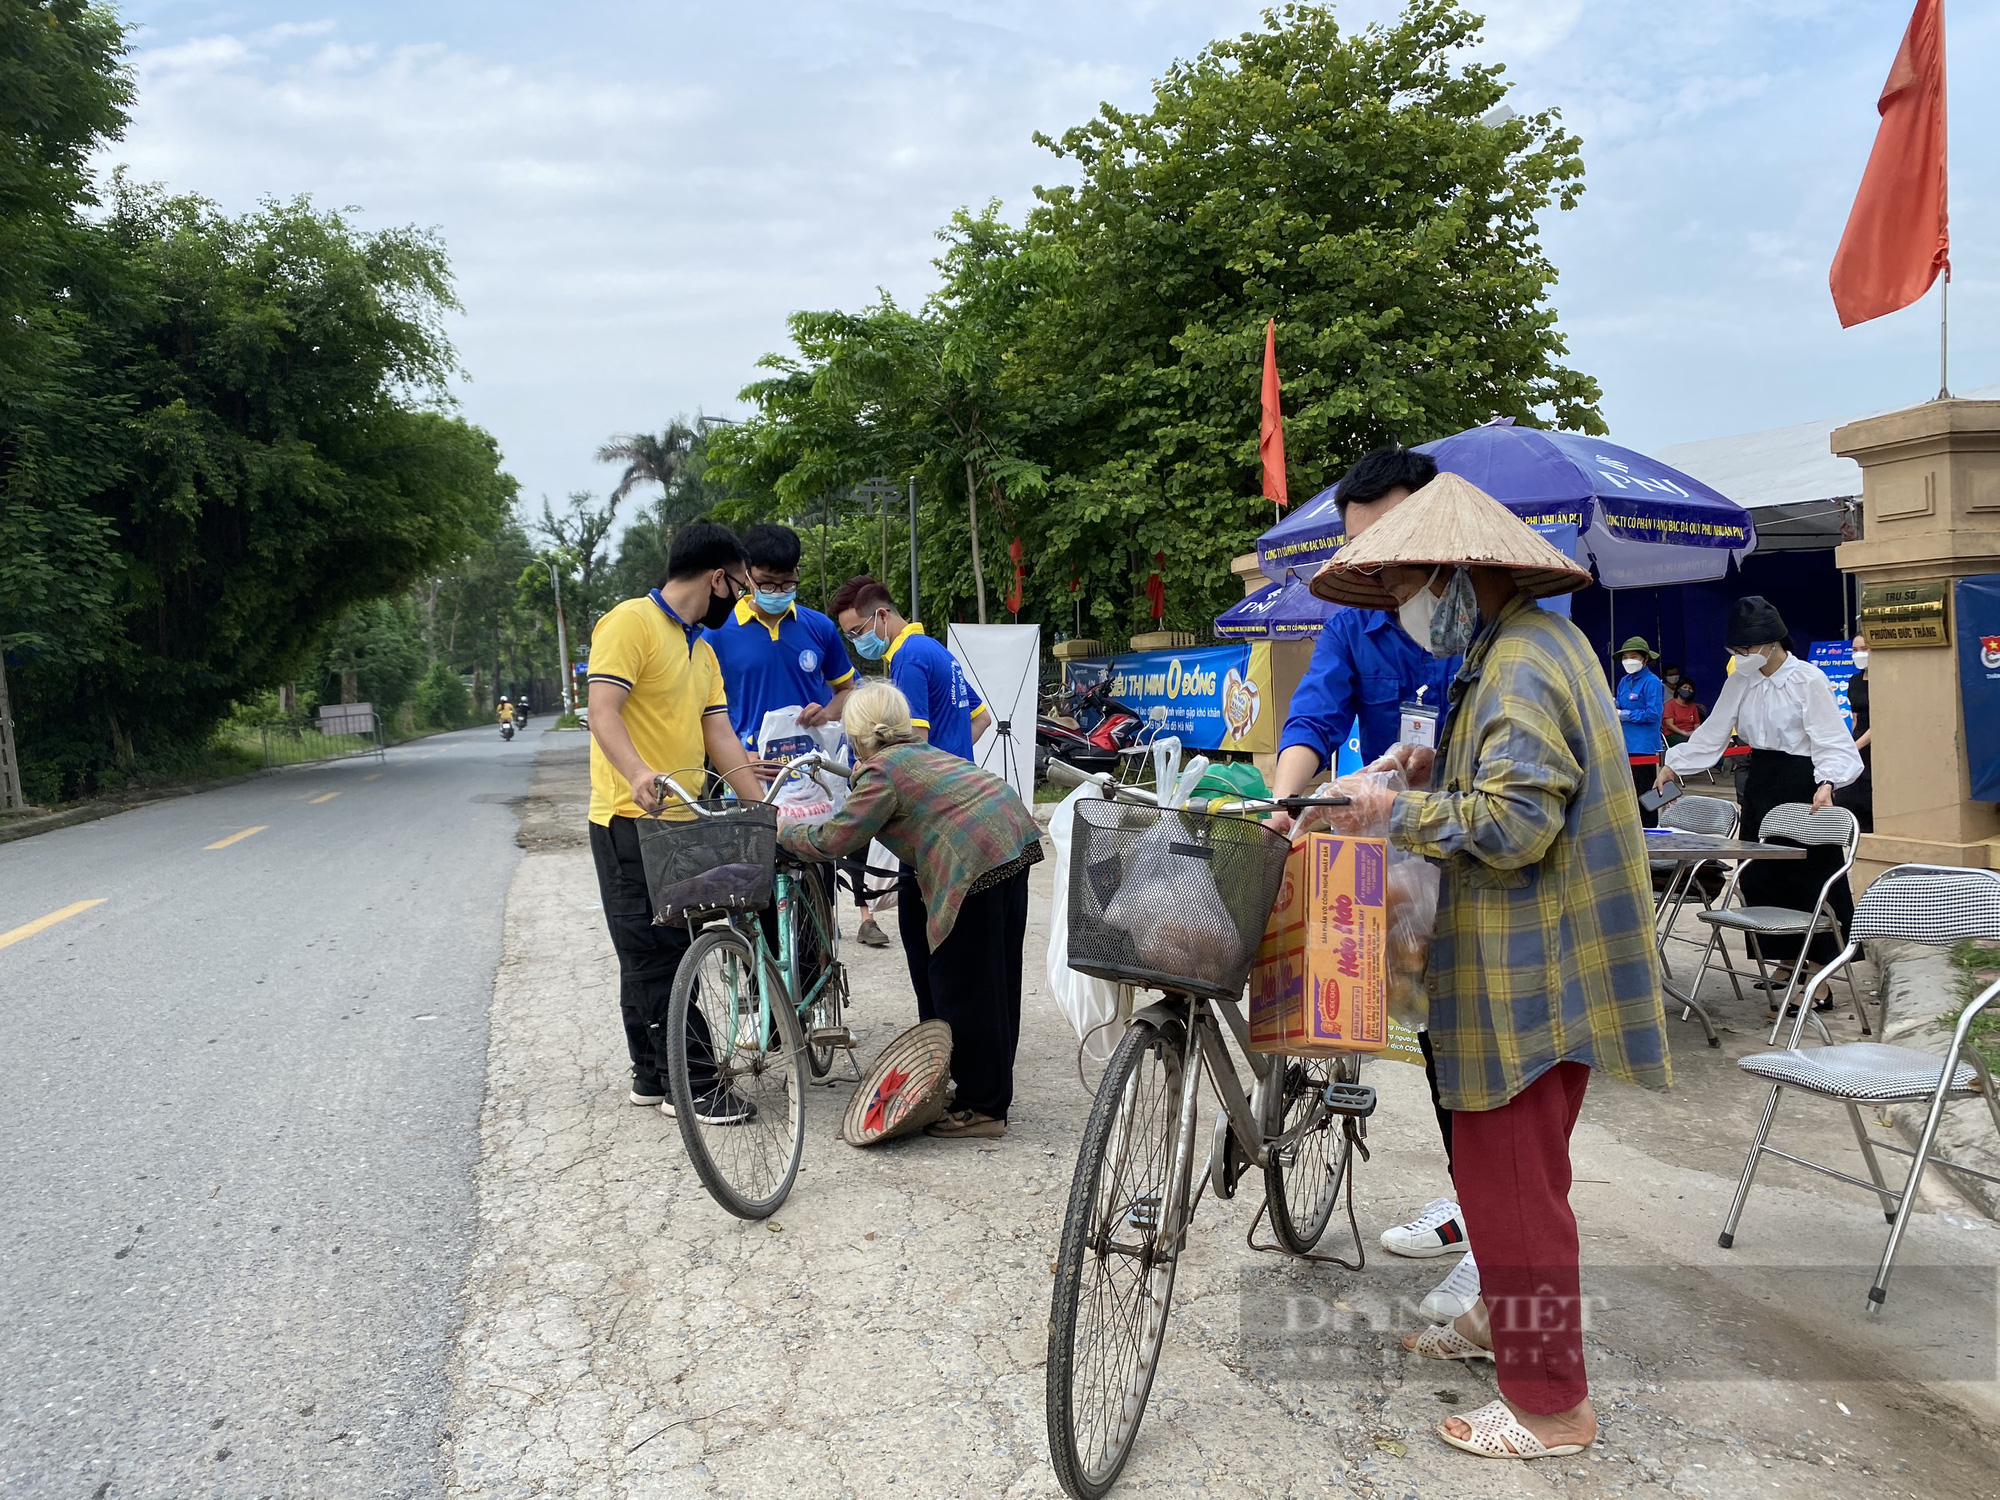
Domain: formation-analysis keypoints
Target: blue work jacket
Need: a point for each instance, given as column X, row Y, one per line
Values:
column 1641, row 696
column 1365, row 667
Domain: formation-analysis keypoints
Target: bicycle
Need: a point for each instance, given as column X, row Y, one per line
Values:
column 1133, row 1195
column 742, row 1016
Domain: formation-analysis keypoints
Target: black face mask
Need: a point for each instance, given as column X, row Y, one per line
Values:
column 719, row 609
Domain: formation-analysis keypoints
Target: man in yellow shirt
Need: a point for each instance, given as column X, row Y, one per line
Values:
column 657, row 705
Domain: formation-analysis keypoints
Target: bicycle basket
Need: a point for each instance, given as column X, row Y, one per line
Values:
column 1170, row 900
column 723, row 862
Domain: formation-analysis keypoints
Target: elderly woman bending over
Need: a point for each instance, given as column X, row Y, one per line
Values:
column 967, row 841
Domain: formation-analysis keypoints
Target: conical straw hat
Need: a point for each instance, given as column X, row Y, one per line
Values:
column 1451, row 521
column 905, row 1090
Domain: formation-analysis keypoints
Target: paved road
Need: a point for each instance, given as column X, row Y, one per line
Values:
column 238, row 1125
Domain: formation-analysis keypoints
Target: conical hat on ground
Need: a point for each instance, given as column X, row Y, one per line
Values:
column 1450, row 521
column 904, row 1090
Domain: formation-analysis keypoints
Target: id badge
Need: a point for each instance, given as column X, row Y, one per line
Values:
column 1419, row 726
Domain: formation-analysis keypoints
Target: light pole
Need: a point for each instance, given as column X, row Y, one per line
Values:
column 916, row 609
column 562, row 645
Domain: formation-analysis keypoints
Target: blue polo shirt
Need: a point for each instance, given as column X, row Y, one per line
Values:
column 800, row 660
column 942, row 702
column 1641, row 697
column 1365, row 667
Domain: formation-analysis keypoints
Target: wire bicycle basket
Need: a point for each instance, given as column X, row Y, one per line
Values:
column 723, row 859
column 1170, row 900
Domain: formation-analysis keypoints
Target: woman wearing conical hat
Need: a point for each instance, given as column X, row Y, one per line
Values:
column 1543, row 966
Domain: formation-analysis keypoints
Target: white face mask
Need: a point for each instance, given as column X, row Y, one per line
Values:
column 1861, row 661
column 1416, row 612
column 1633, row 663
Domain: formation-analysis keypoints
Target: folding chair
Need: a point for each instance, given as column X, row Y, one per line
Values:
column 1934, row 904
column 1798, row 823
column 1709, row 815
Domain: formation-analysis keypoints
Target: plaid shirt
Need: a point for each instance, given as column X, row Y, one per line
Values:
column 933, row 810
column 1544, row 947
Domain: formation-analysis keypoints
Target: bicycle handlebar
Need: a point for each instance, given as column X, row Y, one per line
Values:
column 808, row 764
column 1065, row 774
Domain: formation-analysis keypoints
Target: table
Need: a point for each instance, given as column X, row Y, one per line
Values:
column 1694, row 848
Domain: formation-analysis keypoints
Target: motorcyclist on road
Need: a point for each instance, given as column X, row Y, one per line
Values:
column 506, row 711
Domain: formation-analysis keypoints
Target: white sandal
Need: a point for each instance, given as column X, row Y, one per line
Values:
column 1498, row 1433
column 1444, row 1341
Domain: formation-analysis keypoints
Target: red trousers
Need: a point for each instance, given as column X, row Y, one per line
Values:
column 1511, row 1168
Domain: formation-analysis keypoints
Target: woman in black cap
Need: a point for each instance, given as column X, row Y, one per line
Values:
column 1800, row 751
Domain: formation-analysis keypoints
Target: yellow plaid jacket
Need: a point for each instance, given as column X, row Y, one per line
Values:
column 1544, row 948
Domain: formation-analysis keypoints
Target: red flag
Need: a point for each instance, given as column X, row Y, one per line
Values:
column 1020, row 576
column 1897, row 239
column 1271, row 436
column 1156, row 587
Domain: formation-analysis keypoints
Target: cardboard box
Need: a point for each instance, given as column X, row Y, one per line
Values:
column 1320, row 982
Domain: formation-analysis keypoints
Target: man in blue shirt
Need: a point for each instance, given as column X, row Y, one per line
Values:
column 1366, row 666
column 775, row 652
column 942, row 702
column 1642, row 698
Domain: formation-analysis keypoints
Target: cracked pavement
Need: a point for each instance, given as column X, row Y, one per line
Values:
column 885, row 1333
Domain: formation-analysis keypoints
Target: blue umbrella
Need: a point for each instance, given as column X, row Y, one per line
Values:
column 1641, row 522
column 1280, row 611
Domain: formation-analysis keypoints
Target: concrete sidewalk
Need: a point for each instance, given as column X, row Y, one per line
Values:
column 886, row 1332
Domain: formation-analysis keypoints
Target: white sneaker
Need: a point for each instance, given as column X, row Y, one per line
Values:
column 1453, row 1297
column 1438, row 1230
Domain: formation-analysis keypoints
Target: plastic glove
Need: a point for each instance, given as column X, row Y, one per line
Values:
column 1414, row 762
column 1370, row 794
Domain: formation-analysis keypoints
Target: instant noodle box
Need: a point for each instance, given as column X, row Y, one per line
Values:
column 1320, row 982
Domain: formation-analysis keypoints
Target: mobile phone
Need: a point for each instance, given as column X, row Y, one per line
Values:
column 1659, row 796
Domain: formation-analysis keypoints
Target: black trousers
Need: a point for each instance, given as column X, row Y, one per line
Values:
column 811, row 960
column 973, row 983
column 1437, row 1104
column 649, row 957
column 1642, row 783
column 1776, row 777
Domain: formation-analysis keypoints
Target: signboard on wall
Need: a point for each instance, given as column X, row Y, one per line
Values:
column 1212, row 697
column 1977, row 605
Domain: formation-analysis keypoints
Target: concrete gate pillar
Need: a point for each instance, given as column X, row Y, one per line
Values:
column 1930, row 498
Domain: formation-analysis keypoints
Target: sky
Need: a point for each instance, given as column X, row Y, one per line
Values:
column 635, row 195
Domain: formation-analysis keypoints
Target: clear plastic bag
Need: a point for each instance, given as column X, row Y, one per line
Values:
column 1173, row 909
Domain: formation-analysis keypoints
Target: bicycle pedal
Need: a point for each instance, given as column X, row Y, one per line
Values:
column 832, row 1036
column 1357, row 1099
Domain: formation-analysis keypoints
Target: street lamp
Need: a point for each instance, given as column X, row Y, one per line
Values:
column 562, row 644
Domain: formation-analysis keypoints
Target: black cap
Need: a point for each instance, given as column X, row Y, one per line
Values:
column 1753, row 621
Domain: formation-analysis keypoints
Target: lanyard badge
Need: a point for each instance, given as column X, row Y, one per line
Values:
column 1419, row 725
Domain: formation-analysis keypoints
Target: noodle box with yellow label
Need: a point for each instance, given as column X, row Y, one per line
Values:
column 1320, row 982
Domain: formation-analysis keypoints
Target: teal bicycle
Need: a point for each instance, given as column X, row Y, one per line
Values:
column 753, row 1016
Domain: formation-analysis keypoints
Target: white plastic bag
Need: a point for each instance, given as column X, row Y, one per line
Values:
column 805, row 800
column 1090, row 1003
column 1173, row 909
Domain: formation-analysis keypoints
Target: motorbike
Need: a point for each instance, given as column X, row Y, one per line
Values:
column 1102, row 727
column 506, row 729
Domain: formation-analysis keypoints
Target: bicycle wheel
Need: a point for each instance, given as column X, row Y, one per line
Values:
column 1121, row 1242
column 1308, row 1153
column 744, row 1126
column 817, row 931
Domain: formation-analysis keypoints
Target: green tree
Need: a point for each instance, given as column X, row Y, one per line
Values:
column 381, row 645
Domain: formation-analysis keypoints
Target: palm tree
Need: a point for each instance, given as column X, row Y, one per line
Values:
column 648, row 459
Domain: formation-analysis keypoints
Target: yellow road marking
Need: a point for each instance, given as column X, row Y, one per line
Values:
column 8, row 939
column 376, row 777
column 236, row 838
column 326, row 797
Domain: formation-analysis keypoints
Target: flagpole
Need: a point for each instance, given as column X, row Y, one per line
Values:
column 1944, row 336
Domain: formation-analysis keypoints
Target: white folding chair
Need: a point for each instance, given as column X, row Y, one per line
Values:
column 1710, row 815
column 1933, row 904
column 1800, row 824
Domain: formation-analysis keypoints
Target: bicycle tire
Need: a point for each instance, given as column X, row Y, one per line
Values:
column 1302, row 1192
column 1135, row 1142
column 747, row 1168
column 829, row 1004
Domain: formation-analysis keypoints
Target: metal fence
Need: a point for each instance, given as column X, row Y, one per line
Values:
column 298, row 744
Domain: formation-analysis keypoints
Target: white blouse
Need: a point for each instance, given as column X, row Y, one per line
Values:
column 1792, row 710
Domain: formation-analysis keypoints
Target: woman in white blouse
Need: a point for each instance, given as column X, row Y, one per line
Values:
column 1800, row 751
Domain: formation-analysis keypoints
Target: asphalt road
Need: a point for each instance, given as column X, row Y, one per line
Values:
column 239, row 1106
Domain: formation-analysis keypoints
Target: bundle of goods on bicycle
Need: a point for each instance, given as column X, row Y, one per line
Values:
column 1348, row 941
column 731, row 887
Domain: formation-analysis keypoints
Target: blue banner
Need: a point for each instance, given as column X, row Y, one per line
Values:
column 1976, row 619
column 1836, row 659
column 1206, row 695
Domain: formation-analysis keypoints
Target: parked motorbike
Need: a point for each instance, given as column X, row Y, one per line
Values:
column 1088, row 730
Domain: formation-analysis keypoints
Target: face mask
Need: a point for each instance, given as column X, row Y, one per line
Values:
column 869, row 646
column 776, row 604
column 1418, row 611
column 720, row 607
column 1687, row 695
column 1633, row 663
column 1861, row 661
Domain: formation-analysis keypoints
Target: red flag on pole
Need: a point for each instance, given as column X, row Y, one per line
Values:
column 1020, row 576
column 1897, row 239
column 1271, row 436
column 1156, row 588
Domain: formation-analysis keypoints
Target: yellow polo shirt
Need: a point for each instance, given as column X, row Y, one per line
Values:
column 672, row 681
